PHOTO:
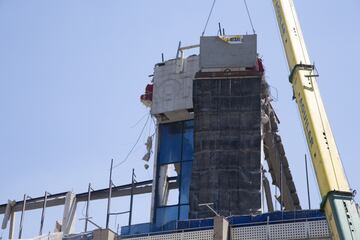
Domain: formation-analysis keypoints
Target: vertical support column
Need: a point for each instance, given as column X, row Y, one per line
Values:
column 268, row 232
column 22, row 216
column 307, row 182
column 103, row 234
column 109, row 196
column 131, row 195
column 281, row 187
column 43, row 214
column 87, row 207
column 9, row 214
column 155, row 172
column 221, row 228
column 267, row 190
column 262, row 157
column 68, row 223
column 12, row 225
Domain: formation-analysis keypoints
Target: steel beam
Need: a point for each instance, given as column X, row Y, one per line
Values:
column 59, row 198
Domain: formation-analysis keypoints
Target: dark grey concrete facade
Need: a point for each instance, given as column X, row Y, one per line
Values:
column 227, row 138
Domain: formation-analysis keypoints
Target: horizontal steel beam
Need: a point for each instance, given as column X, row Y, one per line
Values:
column 59, row 198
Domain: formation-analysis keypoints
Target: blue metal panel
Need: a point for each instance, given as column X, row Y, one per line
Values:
column 277, row 217
column 170, row 143
column 165, row 215
column 188, row 141
column 246, row 220
column 176, row 146
column 136, row 229
column 186, row 168
column 184, row 212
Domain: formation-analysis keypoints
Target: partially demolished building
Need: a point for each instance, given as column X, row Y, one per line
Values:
column 214, row 114
column 217, row 154
column 216, row 128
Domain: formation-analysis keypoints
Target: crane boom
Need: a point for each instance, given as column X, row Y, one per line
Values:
column 338, row 204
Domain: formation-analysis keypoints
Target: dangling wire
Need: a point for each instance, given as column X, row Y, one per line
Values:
column 208, row 18
column 248, row 13
column 133, row 147
column 142, row 118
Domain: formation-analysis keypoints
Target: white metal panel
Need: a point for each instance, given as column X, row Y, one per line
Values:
column 173, row 89
column 249, row 233
column 318, row 228
column 298, row 230
column 288, row 231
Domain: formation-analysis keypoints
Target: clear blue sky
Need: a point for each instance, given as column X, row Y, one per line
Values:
column 71, row 73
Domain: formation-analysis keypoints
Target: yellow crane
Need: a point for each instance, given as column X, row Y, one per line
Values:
column 337, row 198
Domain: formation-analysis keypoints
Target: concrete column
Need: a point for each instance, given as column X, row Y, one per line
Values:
column 221, row 228
column 68, row 222
column 9, row 214
column 12, row 225
column 103, row 234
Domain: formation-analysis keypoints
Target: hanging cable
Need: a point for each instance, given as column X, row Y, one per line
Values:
column 208, row 18
column 142, row 118
column 248, row 13
column 275, row 99
column 133, row 147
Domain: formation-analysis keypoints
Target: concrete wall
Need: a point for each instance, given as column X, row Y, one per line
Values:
column 221, row 52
